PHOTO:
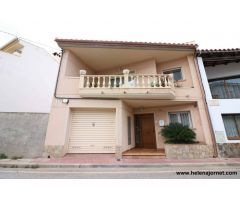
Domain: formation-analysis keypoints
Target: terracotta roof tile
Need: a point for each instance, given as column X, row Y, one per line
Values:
column 125, row 43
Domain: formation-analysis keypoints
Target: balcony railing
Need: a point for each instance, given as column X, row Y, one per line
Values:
column 127, row 85
column 126, row 81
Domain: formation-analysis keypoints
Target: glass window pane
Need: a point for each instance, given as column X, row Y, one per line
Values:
column 177, row 74
column 228, row 88
column 185, row 119
column 173, row 117
column 230, row 126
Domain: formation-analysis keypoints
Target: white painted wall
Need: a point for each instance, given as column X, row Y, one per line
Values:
column 27, row 81
column 217, row 107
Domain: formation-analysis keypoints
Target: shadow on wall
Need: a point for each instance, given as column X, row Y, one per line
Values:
column 23, row 134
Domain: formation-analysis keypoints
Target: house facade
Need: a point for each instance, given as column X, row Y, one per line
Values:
column 220, row 72
column 114, row 96
column 27, row 79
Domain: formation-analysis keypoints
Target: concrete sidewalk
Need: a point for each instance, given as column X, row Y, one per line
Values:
column 109, row 161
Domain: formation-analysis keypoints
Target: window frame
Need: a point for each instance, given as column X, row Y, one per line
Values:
column 174, row 69
column 223, row 79
column 231, row 114
column 179, row 117
column 129, row 127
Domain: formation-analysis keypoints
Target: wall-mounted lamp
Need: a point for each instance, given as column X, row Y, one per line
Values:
column 65, row 101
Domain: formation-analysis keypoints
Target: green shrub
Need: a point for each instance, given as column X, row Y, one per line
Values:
column 16, row 157
column 176, row 133
column 3, row 156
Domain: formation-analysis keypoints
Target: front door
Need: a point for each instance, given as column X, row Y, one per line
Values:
column 145, row 131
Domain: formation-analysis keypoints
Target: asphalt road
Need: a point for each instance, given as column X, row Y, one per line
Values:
column 121, row 173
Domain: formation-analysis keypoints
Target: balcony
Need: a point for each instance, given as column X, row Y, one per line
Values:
column 130, row 86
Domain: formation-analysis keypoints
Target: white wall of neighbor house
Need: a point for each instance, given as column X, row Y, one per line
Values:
column 27, row 80
column 217, row 107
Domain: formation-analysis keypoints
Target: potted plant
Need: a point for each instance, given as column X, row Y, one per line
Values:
column 176, row 133
column 180, row 143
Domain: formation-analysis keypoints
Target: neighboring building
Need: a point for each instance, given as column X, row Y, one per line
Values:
column 114, row 96
column 220, row 72
column 27, row 78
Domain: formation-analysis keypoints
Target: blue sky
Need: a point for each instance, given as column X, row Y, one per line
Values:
column 212, row 24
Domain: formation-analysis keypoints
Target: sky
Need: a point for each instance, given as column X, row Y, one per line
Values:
column 211, row 24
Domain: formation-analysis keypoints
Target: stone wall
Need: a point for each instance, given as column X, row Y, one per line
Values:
column 188, row 151
column 23, row 134
column 229, row 150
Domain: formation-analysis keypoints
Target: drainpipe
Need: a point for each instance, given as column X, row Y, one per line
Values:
column 215, row 153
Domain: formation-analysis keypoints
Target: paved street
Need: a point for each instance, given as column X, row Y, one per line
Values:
column 118, row 173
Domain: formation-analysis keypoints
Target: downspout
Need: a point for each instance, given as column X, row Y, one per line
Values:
column 215, row 153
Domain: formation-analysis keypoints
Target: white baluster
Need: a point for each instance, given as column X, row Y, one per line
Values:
column 115, row 81
column 88, row 83
column 148, row 81
column 154, row 81
column 159, row 81
column 109, row 81
column 120, row 81
column 93, row 81
column 165, row 81
column 143, row 81
column 98, row 81
column 137, row 81
column 103, row 84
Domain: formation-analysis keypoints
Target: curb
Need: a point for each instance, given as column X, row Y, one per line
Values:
column 139, row 165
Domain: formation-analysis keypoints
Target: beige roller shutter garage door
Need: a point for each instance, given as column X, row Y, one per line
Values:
column 92, row 131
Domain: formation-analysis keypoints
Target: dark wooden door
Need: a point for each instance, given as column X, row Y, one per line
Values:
column 145, row 129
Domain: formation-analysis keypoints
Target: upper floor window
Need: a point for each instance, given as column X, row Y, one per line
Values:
column 232, row 126
column 225, row 88
column 181, row 117
column 177, row 73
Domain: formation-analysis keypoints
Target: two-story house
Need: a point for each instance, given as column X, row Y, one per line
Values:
column 114, row 96
column 220, row 72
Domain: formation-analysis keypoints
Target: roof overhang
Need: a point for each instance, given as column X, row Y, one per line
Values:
column 101, row 55
column 214, row 57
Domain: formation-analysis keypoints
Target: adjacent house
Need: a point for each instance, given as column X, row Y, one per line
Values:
column 115, row 96
column 27, row 79
column 220, row 72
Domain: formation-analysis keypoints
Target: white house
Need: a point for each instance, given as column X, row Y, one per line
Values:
column 27, row 80
column 220, row 73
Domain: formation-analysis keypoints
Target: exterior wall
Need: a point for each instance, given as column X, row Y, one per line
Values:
column 127, row 111
column 56, row 143
column 22, row 134
column 143, row 67
column 161, row 113
column 180, row 63
column 27, row 81
column 74, row 64
column 217, row 107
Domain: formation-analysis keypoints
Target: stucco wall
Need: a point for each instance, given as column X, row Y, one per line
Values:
column 143, row 67
column 161, row 113
column 180, row 63
column 23, row 134
column 27, row 81
column 74, row 64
